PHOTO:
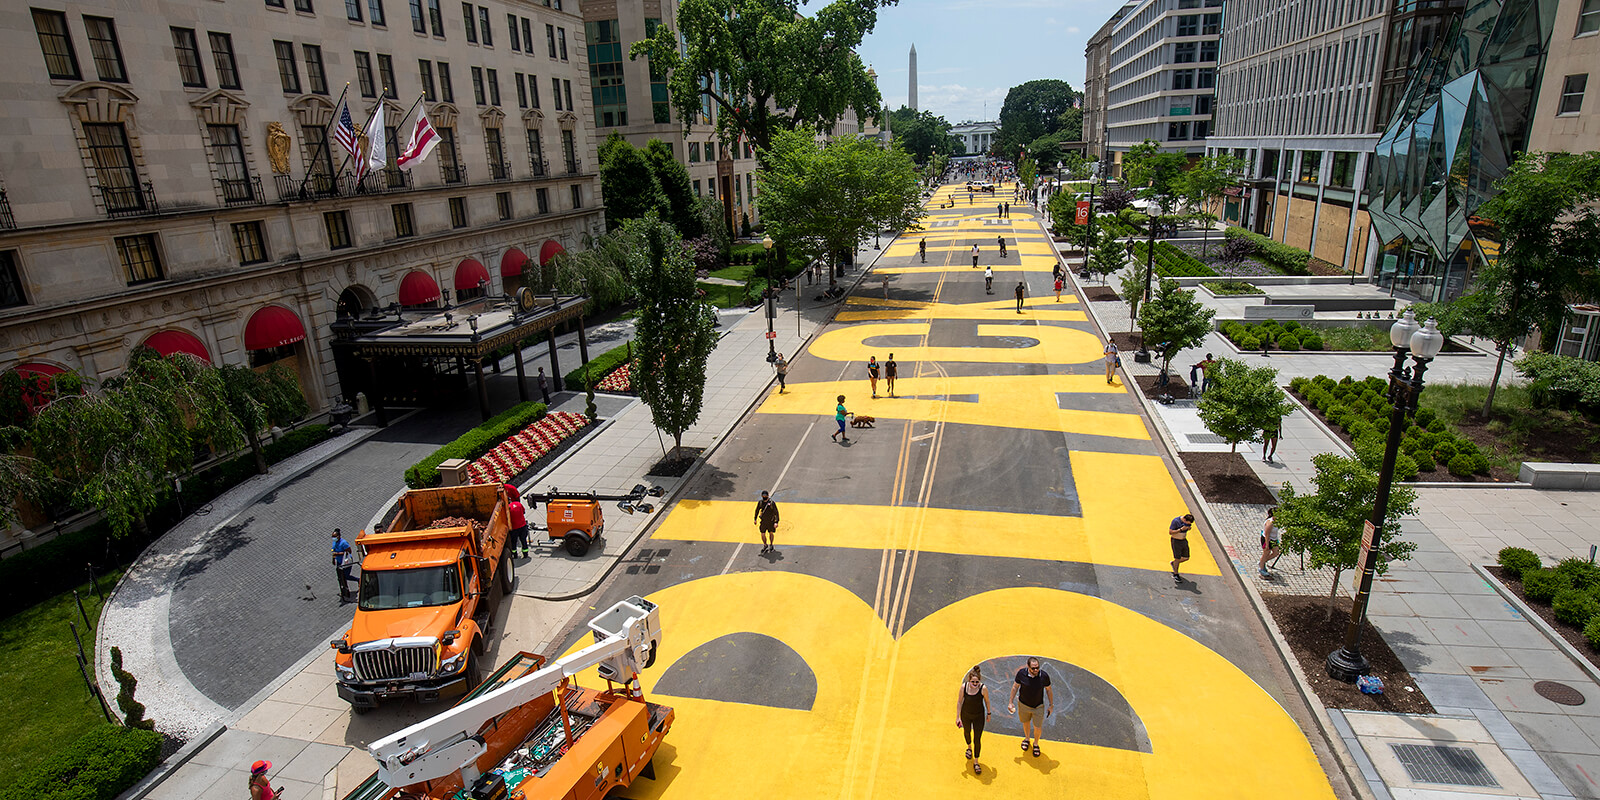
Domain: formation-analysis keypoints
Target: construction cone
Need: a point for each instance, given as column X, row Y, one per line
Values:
column 635, row 690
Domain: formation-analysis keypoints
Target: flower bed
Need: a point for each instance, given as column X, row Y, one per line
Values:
column 1229, row 288
column 511, row 457
column 1428, row 446
column 620, row 380
column 1214, row 257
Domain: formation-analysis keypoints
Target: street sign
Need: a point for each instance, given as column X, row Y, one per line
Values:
column 772, row 334
column 1083, row 213
column 1367, row 532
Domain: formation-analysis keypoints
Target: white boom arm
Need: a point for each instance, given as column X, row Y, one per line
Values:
column 625, row 638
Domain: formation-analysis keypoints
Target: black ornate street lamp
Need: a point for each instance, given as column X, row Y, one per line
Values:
column 1405, row 386
column 1143, row 355
column 771, row 303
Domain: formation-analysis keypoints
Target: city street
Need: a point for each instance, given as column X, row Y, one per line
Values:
column 1008, row 503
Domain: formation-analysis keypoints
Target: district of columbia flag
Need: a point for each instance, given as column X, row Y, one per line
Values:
column 377, row 155
column 344, row 131
column 423, row 139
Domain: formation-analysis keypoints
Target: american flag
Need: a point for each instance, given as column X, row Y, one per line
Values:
column 344, row 131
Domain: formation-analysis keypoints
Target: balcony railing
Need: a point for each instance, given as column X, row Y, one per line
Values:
column 540, row 167
column 241, row 191
column 453, row 173
column 7, row 222
column 499, row 171
column 129, row 201
column 310, row 187
column 574, row 166
column 383, row 181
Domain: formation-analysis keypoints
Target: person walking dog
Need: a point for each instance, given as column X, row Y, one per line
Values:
column 839, row 415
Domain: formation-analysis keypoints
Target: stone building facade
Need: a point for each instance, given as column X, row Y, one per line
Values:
column 166, row 182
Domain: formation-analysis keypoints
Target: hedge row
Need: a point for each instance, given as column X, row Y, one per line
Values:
column 1285, row 335
column 1571, row 588
column 99, row 765
column 1281, row 257
column 474, row 443
column 1172, row 262
column 598, row 367
column 1231, row 288
column 1362, row 410
column 38, row 573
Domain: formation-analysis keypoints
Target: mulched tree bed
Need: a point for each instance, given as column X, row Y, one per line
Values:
column 1474, row 429
column 676, row 464
column 1573, row 635
column 1147, row 384
column 1101, row 294
column 1311, row 637
column 1226, row 478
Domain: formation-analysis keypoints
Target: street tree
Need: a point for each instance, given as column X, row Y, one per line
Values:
column 1202, row 187
column 1027, row 173
column 1108, row 254
column 1131, row 283
column 1115, row 199
column 1063, row 207
column 675, row 328
column 1032, row 110
column 1546, row 215
column 921, row 133
column 673, row 178
column 1173, row 321
column 1158, row 172
column 628, row 183
column 1242, row 401
column 258, row 400
column 1326, row 525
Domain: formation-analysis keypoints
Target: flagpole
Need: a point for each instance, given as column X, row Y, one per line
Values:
column 364, row 126
column 334, row 177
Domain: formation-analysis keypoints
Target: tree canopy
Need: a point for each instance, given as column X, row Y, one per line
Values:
column 1326, row 525
column 922, row 133
column 628, row 183
column 1242, row 401
column 1158, row 171
column 676, row 329
column 1032, row 110
column 1173, row 320
column 673, row 177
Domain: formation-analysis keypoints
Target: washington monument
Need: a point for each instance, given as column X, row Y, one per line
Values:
column 911, row 91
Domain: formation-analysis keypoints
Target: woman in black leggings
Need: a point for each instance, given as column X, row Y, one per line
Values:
column 972, row 710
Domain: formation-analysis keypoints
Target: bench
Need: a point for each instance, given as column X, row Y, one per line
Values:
column 1279, row 312
column 1576, row 477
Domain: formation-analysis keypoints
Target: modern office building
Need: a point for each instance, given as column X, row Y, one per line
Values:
column 977, row 137
column 1161, row 73
column 1097, row 54
column 1297, row 90
column 169, row 178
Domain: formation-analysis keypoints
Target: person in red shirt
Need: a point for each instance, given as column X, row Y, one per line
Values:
column 519, row 527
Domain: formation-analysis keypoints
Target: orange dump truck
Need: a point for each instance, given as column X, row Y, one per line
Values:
column 428, row 597
column 530, row 733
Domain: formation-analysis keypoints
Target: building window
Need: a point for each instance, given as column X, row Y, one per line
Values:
column 527, row 36
column 1343, row 173
column 288, row 70
column 386, row 74
column 425, row 68
column 227, row 154
column 315, row 75
column 1202, row 128
column 561, row 38
column 1208, row 51
column 542, row 198
column 569, row 150
column 1184, row 52
column 697, row 188
column 338, row 225
column 1177, row 131
column 522, row 90
column 1183, row 79
column 1203, row 103
column 113, row 166
column 375, row 7
column 1206, row 78
column 1189, row 25
column 140, row 261
column 1213, row 25
column 1588, row 17
column 222, row 57
column 352, row 10
column 536, row 153
column 477, row 85
column 447, row 90
column 605, row 74
column 188, row 49
column 533, row 90
column 60, row 61
column 417, row 23
column 502, row 203
column 303, row 6
column 275, row 3
column 483, row 27
column 550, row 39
column 577, row 196
column 694, row 152
column 436, row 18
column 11, row 293
column 493, row 78
column 511, row 31
column 250, row 243
column 567, row 90
column 494, row 147
column 458, row 212
column 319, row 157
column 470, row 22
column 1269, row 164
column 555, row 91
column 449, row 157
column 364, row 74
column 1310, row 166
column 403, row 225
column 105, row 49
column 1572, row 94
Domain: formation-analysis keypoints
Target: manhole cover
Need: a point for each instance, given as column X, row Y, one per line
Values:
column 750, row 458
column 1433, row 763
column 1559, row 693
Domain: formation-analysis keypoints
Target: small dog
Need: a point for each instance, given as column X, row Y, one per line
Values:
column 863, row 421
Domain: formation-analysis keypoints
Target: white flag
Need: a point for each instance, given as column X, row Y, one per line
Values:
column 377, row 149
column 423, row 139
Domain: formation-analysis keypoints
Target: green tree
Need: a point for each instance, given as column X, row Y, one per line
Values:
column 673, row 178
column 1064, row 216
column 1173, row 320
column 1547, row 217
column 1326, row 525
column 1158, row 172
column 1243, row 401
column 258, row 400
column 1203, row 184
column 628, row 183
column 1108, row 255
column 1131, row 282
column 675, row 329
column 1032, row 110
column 1027, row 173
column 600, row 269
column 921, row 133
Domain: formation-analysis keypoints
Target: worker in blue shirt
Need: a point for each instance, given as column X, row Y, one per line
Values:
column 342, row 564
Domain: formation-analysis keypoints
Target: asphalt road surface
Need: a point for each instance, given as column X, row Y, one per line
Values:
column 1009, row 502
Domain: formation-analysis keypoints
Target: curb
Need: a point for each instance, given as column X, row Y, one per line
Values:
column 1550, row 633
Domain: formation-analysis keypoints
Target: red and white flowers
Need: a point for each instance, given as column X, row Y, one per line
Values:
column 618, row 380
column 532, row 443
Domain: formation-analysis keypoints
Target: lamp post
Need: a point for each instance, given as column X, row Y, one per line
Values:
column 1405, row 386
column 1143, row 355
column 771, row 303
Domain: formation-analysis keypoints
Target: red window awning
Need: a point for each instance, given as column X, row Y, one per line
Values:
column 418, row 288
column 469, row 273
column 37, row 378
column 168, row 342
column 512, row 262
column 550, row 249
column 272, row 326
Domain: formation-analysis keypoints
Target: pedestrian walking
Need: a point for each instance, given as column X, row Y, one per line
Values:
column 782, row 368
column 260, row 786
column 1002, row 240
column 1056, row 272
column 886, row 286
column 1029, row 690
column 1205, row 366
column 544, row 386
column 1269, row 441
column 922, row 249
column 972, row 711
column 1060, row 284
column 518, row 538
column 1179, row 532
column 1271, row 543
column 974, row 256
column 342, row 562
column 872, row 374
column 1113, row 360
column 839, row 414
column 1007, row 212
column 999, row 210
column 767, row 522
column 988, row 280
column 1022, row 291
column 891, row 370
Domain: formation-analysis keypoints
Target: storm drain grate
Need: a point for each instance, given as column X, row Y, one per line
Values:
column 1205, row 438
column 1433, row 763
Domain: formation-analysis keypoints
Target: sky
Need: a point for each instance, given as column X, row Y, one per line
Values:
column 970, row 52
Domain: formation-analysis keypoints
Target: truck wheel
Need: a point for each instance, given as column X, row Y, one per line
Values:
column 577, row 544
column 508, row 575
column 360, row 710
column 473, row 676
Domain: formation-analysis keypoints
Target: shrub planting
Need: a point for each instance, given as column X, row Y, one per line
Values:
column 1518, row 560
column 1362, row 410
column 99, row 765
column 1542, row 585
column 1575, row 607
column 1583, row 574
column 1284, row 258
column 474, row 443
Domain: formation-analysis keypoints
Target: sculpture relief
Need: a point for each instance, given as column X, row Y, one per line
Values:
column 278, row 143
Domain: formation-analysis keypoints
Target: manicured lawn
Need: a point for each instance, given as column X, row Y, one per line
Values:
column 723, row 296
column 1516, row 431
column 736, row 272
column 45, row 705
column 1365, row 337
